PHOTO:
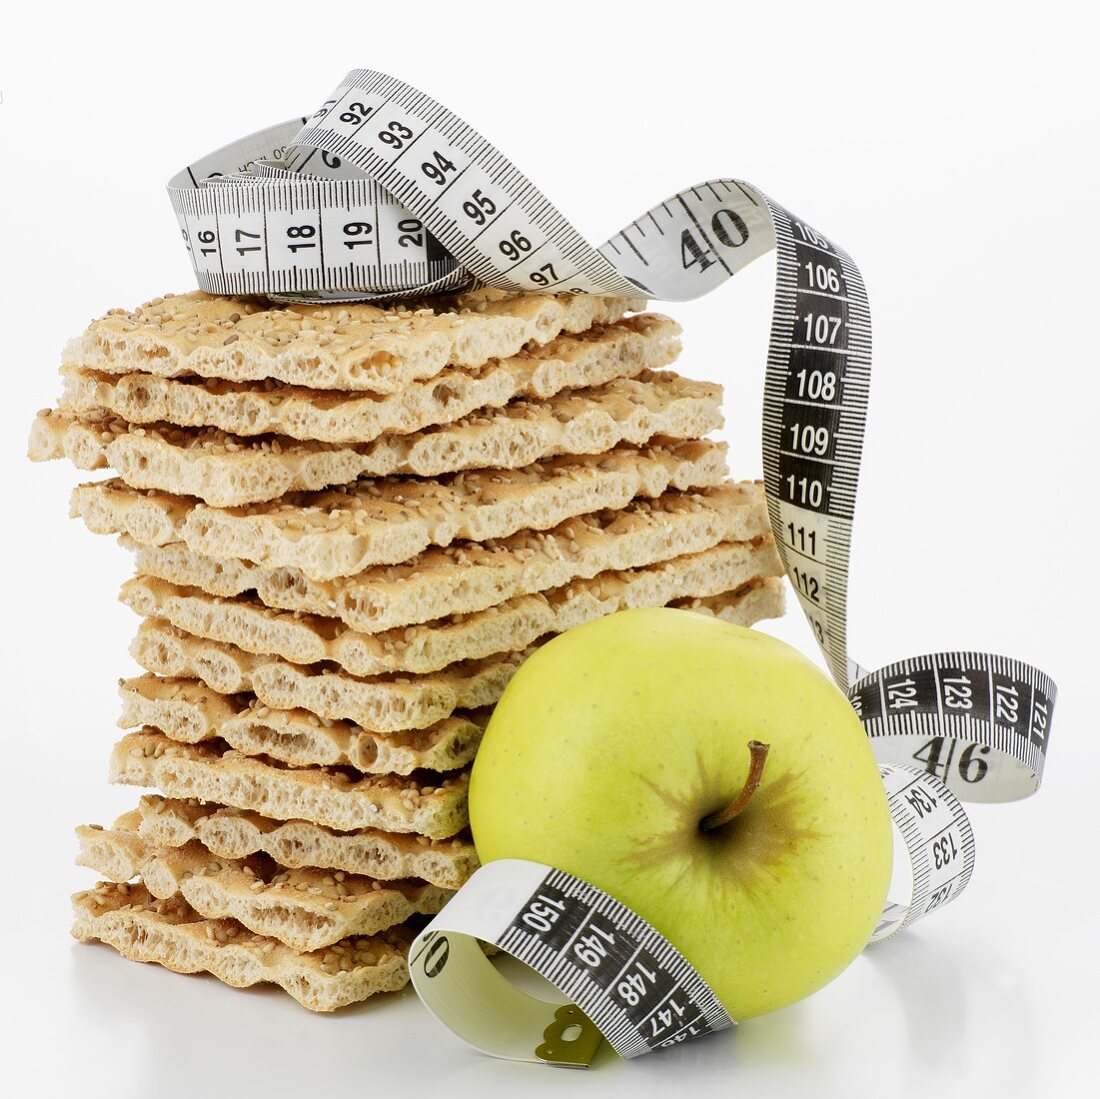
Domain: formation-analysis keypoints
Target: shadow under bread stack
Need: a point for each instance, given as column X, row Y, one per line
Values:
column 350, row 525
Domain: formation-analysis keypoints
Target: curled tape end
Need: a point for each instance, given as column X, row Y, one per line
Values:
column 571, row 1040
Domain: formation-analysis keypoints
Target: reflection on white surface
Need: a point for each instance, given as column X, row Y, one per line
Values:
column 242, row 1039
column 963, row 1009
column 928, row 1012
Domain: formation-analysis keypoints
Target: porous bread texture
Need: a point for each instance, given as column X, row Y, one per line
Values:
column 340, row 532
column 170, row 933
column 351, row 346
column 311, row 639
column 230, row 470
column 385, row 704
column 756, row 601
column 189, row 711
column 466, row 577
column 233, row 833
column 306, row 909
column 621, row 350
column 424, row 803
column 186, row 710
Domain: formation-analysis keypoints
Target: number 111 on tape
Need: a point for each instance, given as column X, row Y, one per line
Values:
column 806, row 536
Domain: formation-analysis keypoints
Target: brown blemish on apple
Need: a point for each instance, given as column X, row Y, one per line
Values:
column 750, row 850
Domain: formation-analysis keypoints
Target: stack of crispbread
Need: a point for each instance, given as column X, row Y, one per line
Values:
column 350, row 524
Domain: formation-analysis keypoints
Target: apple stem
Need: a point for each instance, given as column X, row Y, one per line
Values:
column 758, row 756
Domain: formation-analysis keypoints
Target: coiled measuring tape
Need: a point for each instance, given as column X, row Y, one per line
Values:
column 384, row 193
column 975, row 724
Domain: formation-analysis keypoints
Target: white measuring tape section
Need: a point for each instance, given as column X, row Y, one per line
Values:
column 946, row 728
column 624, row 979
column 384, row 193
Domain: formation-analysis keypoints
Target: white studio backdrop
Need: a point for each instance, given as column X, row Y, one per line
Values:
column 949, row 148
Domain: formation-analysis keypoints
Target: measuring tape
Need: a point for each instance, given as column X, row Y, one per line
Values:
column 625, row 981
column 384, row 193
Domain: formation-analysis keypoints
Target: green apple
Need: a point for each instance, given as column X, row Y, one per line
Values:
column 620, row 753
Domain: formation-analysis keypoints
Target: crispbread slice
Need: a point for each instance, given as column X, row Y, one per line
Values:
column 346, row 346
column 424, row 803
column 341, row 532
column 306, row 909
column 230, row 470
column 186, row 710
column 234, row 833
column 312, row 639
column 189, row 711
column 172, row 934
column 622, row 350
column 465, row 577
column 385, row 704
column 760, row 599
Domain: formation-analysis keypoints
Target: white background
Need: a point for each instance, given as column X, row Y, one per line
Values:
column 950, row 149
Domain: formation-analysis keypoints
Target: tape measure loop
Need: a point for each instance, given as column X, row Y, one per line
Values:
column 977, row 721
column 623, row 977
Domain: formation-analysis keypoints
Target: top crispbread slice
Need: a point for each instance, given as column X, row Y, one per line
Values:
column 352, row 346
column 465, row 577
column 622, row 350
column 340, row 532
column 230, row 470
column 233, row 833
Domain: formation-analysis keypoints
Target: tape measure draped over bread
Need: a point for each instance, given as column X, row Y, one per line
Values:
column 384, row 193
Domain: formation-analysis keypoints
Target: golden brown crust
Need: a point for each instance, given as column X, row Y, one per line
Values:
column 592, row 358
column 230, row 470
column 340, row 532
column 304, row 908
column 312, row 639
column 466, row 577
column 189, row 711
column 170, row 933
column 425, row 804
column 234, row 833
column 347, row 346
column 386, row 704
